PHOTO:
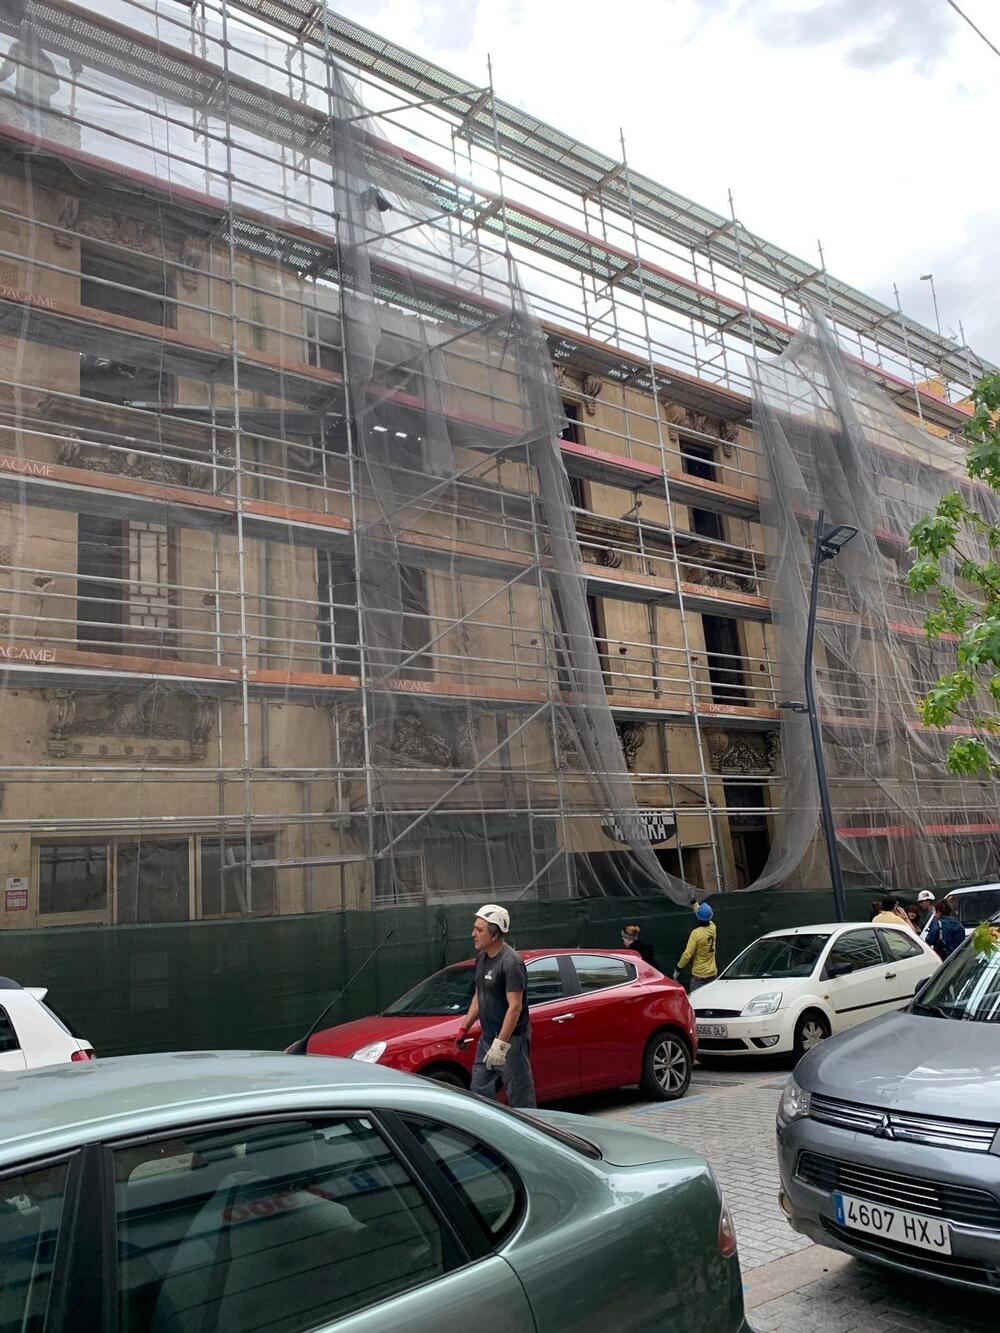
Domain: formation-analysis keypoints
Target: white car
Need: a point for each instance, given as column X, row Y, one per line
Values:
column 31, row 1034
column 792, row 988
column 978, row 902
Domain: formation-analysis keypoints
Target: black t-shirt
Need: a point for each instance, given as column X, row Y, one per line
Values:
column 495, row 977
column 645, row 951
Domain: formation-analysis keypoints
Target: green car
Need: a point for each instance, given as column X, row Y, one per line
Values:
column 209, row 1191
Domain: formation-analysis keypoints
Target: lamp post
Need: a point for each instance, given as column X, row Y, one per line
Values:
column 829, row 543
column 929, row 277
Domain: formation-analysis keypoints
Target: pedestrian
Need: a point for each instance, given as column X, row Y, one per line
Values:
column 631, row 940
column 503, row 1056
column 945, row 933
column 925, row 908
column 700, row 950
column 913, row 916
column 890, row 914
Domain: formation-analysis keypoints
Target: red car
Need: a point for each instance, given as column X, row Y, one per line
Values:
column 599, row 1019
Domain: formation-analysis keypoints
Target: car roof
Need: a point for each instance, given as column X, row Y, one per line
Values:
column 829, row 928
column 969, row 888
column 58, row 1106
column 629, row 955
column 7, row 984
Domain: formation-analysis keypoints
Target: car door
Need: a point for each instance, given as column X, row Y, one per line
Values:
column 315, row 1221
column 555, row 1058
column 906, row 962
column 606, row 1026
column 11, row 1055
column 862, row 990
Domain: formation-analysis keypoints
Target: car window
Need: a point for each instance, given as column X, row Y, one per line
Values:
column 487, row 1184
column 777, row 956
column 857, row 947
column 8, row 1037
column 30, row 1210
column 595, row 973
column 544, row 980
column 971, row 908
column 447, row 992
column 899, row 945
column 283, row 1226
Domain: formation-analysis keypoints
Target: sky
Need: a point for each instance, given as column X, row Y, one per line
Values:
column 867, row 125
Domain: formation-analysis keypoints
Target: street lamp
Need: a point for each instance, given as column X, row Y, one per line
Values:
column 929, row 277
column 829, row 543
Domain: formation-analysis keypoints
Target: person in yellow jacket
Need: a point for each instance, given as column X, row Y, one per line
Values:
column 700, row 951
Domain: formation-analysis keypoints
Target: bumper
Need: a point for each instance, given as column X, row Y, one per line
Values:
column 769, row 1035
column 975, row 1259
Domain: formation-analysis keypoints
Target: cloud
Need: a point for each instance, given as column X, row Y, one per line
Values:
column 448, row 24
column 873, row 36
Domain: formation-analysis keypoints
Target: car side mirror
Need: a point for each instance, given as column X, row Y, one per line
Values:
column 920, row 985
column 838, row 970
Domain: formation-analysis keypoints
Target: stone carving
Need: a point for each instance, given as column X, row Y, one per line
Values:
column 192, row 254
column 100, row 725
column 67, row 216
column 406, row 737
column 721, row 579
column 610, row 557
column 122, row 463
column 743, row 754
column 631, row 735
column 566, row 745
column 592, row 387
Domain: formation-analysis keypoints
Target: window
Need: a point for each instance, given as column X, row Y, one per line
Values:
column 8, row 1042
column 544, row 980
column 72, row 877
column 337, row 616
column 572, row 431
column 857, row 947
column 153, row 880
column 30, row 1211
column 400, row 879
column 283, row 1226
column 223, row 883
column 137, row 288
column 898, row 946
column 595, row 973
column 484, row 1181
column 699, row 461
column 724, row 655
column 123, row 583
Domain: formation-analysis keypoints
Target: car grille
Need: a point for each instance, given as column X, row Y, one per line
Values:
column 958, row 1270
column 932, row 1130
column 957, row 1203
column 717, row 1013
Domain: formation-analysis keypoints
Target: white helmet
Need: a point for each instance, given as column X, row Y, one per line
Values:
column 496, row 916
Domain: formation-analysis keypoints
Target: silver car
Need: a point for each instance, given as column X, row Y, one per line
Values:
column 889, row 1135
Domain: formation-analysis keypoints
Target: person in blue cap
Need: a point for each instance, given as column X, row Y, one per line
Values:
column 700, row 951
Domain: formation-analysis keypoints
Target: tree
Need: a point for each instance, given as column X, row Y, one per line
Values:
column 957, row 562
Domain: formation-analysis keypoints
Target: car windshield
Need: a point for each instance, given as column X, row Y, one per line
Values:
column 447, row 992
column 777, row 956
column 967, row 987
column 971, row 908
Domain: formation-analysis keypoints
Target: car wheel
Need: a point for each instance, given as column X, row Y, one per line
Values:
column 810, row 1030
column 666, row 1066
column 450, row 1078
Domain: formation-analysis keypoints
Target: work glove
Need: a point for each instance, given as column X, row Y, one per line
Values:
column 496, row 1056
column 462, row 1040
column 677, row 975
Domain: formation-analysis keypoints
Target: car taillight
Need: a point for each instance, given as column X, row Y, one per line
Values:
column 86, row 1054
column 727, row 1232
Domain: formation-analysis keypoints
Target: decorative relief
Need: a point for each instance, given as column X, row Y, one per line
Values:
column 592, row 387
column 721, row 579
column 743, row 755
column 117, row 724
column 405, row 737
column 122, row 463
column 631, row 735
column 67, row 217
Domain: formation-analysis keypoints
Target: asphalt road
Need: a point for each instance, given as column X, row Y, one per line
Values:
column 792, row 1286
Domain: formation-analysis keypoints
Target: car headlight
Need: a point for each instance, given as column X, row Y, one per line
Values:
column 370, row 1054
column 794, row 1104
column 763, row 1004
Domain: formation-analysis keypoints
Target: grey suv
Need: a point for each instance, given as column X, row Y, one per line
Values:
column 889, row 1135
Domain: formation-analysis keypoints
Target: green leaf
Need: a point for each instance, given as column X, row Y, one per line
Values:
column 985, row 939
column 934, row 534
column 968, row 756
column 980, row 644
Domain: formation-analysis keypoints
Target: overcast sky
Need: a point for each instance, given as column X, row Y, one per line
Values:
column 871, row 125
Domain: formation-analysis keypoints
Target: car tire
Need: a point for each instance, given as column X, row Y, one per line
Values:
column 810, row 1030
column 666, row 1066
column 446, row 1075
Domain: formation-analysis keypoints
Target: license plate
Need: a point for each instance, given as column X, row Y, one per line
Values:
column 713, row 1030
column 925, row 1233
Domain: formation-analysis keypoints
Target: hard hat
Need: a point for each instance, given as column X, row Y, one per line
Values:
column 925, row 896
column 704, row 912
column 496, row 916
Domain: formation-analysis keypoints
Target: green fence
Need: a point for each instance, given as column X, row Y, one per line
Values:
column 261, row 983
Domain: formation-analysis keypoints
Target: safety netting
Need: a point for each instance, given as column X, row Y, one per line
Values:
column 293, row 612
column 835, row 444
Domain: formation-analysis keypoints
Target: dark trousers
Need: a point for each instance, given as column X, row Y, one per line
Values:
column 698, row 982
column 514, row 1075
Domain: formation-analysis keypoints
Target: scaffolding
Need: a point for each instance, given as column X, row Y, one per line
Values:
column 379, row 499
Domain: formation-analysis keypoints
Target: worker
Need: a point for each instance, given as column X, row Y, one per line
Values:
column 503, row 1056
column 890, row 913
column 700, row 951
column 631, row 940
